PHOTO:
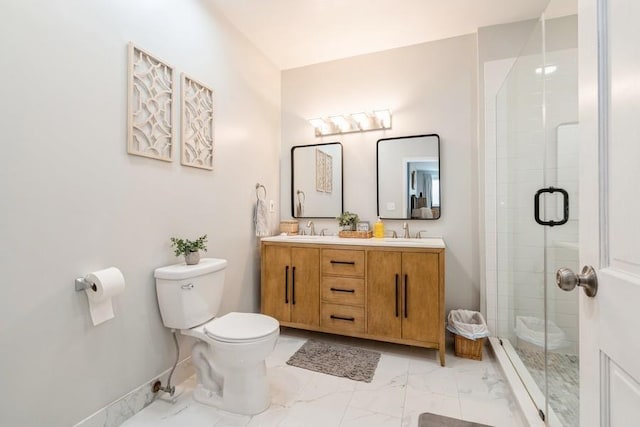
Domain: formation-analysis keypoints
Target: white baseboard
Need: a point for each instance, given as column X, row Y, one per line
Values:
column 136, row 400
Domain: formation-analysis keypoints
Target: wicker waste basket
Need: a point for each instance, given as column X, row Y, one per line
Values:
column 469, row 349
column 470, row 330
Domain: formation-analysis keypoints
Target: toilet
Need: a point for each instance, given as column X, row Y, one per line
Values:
column 230, row 351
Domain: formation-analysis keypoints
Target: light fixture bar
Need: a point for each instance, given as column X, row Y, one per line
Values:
column 356, row 122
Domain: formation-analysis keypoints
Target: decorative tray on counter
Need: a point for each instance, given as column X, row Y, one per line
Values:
column 356, row 234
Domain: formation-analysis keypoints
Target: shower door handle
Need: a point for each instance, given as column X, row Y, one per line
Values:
column 565, row 206
column 567, row 280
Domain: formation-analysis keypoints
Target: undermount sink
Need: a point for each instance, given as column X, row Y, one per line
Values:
column 423, row 241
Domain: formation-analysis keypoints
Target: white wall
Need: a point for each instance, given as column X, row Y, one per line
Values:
column 74, row 201
column 430, row 88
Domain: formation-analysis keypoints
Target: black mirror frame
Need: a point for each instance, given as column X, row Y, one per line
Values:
column 378, row 176
column 341, row 181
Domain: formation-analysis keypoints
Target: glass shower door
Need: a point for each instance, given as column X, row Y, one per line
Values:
column 537, row 224
column 521, row 241
column 561, row 171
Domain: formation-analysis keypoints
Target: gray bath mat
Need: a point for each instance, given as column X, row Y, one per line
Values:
column 433, row 420
column 336, row 359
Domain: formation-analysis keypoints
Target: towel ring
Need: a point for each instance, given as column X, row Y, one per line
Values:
column 258, row 186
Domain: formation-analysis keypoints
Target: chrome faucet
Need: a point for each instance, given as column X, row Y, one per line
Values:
column 419, row 234
column 310, row 225
column 405, row 227
column 323, row 230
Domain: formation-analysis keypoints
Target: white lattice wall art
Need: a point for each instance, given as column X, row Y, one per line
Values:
column 197, row 124
column 150, row 119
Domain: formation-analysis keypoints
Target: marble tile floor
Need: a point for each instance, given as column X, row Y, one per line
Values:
column 407, row 382
column 562, row 379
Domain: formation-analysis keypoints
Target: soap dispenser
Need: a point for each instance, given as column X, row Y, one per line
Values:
column 378, row 228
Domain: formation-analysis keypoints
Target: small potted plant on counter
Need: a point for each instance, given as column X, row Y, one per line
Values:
column 348, row 221
column 190, row 248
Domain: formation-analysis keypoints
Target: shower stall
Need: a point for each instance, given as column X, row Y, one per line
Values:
column 536, row 218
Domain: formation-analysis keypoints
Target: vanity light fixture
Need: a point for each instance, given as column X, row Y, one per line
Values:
column 548, row 69
column 356, row 122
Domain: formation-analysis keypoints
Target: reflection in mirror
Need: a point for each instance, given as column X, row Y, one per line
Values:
column 316, row 180
column 409, row 177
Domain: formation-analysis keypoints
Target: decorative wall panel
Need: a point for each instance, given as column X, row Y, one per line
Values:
column 197, row 124
column 150, row 118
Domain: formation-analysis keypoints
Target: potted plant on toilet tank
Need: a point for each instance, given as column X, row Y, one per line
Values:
column 190, row 248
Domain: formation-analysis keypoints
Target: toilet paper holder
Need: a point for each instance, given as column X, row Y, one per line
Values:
column 83, row 284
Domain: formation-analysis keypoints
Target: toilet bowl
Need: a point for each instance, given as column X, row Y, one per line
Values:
column 230, row 351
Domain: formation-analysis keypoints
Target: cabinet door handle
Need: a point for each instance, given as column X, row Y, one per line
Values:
column 293, row 286
column 348, row 319
column 397, row 292
column 286, row 285
column 343, row 290
column 343, row 262
column 406, row 296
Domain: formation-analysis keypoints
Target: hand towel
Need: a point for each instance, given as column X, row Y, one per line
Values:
column 261, row 218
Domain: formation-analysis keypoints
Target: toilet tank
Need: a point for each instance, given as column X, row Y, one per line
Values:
column 189, row 295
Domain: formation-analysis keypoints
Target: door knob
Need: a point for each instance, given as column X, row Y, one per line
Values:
column 567, row 280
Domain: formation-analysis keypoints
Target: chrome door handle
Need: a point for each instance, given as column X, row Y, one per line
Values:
column 567, row 280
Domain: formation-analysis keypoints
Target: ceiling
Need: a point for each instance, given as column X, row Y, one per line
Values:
column 295, row 33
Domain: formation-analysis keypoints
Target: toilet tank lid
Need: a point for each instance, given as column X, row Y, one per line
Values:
column 184, row 271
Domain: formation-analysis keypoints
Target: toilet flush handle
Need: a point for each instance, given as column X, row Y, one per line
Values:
column 187, row 287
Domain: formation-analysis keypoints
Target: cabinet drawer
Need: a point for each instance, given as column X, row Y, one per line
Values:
column 343, row 262
column 342, row 318
column 343, row 290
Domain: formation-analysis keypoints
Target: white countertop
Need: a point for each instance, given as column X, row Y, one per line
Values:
column 425, row 242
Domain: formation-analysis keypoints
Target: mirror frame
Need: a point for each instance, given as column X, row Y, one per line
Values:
column 293, row 202
column 378, row 175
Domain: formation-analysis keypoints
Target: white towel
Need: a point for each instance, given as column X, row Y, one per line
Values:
column 261, row 218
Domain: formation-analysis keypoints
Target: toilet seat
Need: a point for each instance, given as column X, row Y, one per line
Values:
column 240, row 327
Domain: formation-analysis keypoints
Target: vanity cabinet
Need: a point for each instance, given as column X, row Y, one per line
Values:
column 404, row 299
column 290, row 284
column 374, row 289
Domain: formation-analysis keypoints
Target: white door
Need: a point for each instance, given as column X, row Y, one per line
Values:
column 609, row 73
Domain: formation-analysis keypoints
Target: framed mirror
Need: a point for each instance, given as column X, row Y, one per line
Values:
column 316, row 180
column 408, row 172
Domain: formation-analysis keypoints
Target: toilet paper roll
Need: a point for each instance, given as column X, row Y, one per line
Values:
column 108, row 283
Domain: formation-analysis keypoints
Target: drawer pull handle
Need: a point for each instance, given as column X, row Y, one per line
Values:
column 349, row 319
column 343, row 262
column 343, row 290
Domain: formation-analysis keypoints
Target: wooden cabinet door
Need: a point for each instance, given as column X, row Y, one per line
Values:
column 276, row 283
column 305, row 286
column 383, row 294
column 420, row 297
